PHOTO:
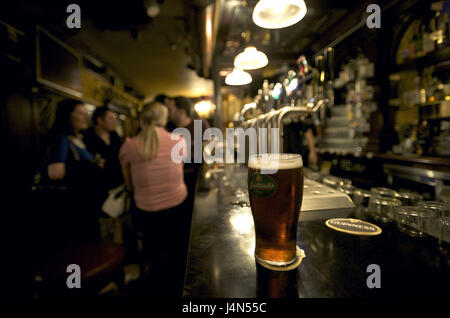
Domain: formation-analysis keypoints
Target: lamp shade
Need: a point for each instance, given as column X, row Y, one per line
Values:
column 238, row 77
column 250, row 59
column 277, row 14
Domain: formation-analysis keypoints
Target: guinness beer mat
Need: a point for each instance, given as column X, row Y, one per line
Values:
column 353, row 226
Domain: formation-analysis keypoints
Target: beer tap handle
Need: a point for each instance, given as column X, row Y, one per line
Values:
column 330, row 81
column 330, row 64
column 303, row 66
column 320, row 65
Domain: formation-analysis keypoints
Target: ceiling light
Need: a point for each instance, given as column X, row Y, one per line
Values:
column 151, row 8
column 238, row 77
column 277, row 14
column 203, row 108
column 250, row 59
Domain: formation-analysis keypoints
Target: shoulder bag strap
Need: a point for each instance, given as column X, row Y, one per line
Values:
column 74, row 150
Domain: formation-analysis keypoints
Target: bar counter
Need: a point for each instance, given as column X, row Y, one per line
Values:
column 221, row 263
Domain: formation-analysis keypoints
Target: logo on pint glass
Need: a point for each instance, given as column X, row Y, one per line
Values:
column 262, row 185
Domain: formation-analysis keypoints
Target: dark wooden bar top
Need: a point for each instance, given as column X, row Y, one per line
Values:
column 221, row 263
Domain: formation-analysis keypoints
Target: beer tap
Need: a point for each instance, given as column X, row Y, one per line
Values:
column 319, row 82
column 323, row 79
column 320, row 87
column 316, row 77
column 329, row 88
column 320, row 78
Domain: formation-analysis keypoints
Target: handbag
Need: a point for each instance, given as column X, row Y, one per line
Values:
column 116, row 202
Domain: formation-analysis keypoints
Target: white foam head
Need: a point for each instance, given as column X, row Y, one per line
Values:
column 274, row 162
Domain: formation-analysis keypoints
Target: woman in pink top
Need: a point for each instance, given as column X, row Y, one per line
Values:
column 157, row 182
column 159, row 192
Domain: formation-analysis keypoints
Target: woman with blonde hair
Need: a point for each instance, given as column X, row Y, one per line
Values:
column 159, row 192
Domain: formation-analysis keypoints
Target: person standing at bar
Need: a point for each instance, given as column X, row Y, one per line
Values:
column 182, row 117
column 180, row 113
column 170, row 104
column 300, row 139
column 73, row 168
column 159, row 194
column 103, row 142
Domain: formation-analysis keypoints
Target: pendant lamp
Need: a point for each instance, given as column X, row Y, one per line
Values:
column 277, row 14
column 250, row 59
column 238, row 77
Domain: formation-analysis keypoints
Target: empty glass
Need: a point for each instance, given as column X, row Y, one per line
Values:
column 445, row 195
column 382, row 208
column 415, row 221
column 441, row 208
column 409, row 198
column 315, row 176
column 361, row 197
column 348, row 189
column 384, row 192
column 444, row 235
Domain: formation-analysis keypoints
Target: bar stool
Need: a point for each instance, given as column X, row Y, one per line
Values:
column 99, row 264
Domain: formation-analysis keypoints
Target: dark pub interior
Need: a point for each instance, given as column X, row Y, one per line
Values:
column 168, row 149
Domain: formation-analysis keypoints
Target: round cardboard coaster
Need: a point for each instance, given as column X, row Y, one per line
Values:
column 300, row 255
column 353, row 226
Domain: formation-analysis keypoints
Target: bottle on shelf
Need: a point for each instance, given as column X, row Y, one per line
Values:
column 434, row 33
column 419, row 41
column 441, row 41
column 428, row 43
column 413, row 45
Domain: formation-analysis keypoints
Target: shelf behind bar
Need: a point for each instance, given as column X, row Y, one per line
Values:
column 438, row 58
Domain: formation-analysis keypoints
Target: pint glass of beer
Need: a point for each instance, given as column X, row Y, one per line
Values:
column 275, row 186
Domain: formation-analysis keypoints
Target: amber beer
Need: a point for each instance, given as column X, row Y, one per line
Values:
column 275, row 199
